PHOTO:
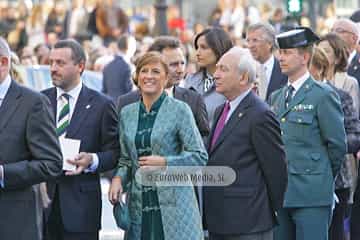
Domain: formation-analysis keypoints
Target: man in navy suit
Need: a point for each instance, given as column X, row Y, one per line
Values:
column 261, row 40
column 117, row 74
column 88, row 116
column 29, row 153
column 246, row 137
column 173, row 55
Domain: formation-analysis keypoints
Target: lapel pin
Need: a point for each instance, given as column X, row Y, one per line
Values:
column 240, row 115
column 87, row 106
column 355, row 67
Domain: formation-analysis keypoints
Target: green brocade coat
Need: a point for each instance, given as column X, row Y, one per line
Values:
column 175, row 137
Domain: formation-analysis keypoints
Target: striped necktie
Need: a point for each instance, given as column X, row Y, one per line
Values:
column 63, row 116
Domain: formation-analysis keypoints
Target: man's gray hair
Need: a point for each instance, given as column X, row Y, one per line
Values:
column 349, row 25
column 4, row 48
column 269, row 33
column 245, row 62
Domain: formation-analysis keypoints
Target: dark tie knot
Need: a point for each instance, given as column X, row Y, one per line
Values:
column 65, row 96
column 227, row 106
column 290, row 90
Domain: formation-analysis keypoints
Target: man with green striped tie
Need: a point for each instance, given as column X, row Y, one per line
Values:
column 63, row 116
column 87, row 116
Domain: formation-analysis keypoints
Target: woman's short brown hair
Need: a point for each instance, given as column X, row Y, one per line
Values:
column 147, row 58
column 321, row 61
column 340, row 51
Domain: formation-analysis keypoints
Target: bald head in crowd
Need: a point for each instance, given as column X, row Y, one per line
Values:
column 348, row 31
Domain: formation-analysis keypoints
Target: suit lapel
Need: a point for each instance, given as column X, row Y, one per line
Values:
column 9, row 104
column 353, row 66
column 53, row 100
column 275, row 79
column 217, row 114
column 179, row 93
column 299, row 96
column 131, row 119
column 239, row 112
column 280, row 108
column 81, row 111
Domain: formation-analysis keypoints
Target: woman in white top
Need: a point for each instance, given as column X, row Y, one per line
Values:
column 338, row 54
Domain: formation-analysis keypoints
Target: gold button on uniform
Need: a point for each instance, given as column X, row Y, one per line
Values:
column 283, row 119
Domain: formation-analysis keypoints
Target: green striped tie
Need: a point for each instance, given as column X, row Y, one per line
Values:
column 63, row 116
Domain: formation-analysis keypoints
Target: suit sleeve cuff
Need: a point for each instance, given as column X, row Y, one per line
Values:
column 1, row 176
column 93, row 167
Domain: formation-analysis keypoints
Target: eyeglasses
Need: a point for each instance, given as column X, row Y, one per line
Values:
column 26, row 57
column 255, row 40
column 340, row 30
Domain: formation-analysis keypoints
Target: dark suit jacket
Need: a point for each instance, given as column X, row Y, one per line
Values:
column 192, row 98
column 117, row 78
column 354, row 67
column 277, row 80
column 30, row 154
column 94, row 122
column 251, row 145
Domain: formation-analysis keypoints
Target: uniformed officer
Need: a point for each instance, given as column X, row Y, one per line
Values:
column 313, row 132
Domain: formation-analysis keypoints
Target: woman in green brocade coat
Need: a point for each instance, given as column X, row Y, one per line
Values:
column 158, row 131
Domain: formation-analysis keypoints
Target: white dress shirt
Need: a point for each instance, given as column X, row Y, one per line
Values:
column 170, row 91
column 4, row 87
column 268, row 65
column 351, row 56
column 74, row 95
column 234, row 103
column 299, row 82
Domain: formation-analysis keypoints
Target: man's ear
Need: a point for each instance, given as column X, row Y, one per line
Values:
column 306, row 58
column 356, row 39
column 244, row 78
column 82, row 66
column 4, row 61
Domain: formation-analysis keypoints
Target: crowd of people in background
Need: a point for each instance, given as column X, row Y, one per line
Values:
column 32, row 30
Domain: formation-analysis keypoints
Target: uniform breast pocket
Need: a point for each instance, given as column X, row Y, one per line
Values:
column 299, row 125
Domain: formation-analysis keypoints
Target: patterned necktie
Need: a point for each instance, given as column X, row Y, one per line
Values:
column 208, row 83
column 220, row 124
column 289, row 94
column 262, row 82
column 63, row 116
